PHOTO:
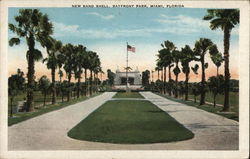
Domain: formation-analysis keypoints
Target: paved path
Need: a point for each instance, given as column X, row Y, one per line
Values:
column 211, row 131
column 49, row 131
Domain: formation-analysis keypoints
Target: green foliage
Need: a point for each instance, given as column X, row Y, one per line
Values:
column 217, row 59
column 44, row 84
column 187, row 55
column 222, row 18
column 206, row 65
column 195, row 68
column 111, row 77
column 16, row 83
column 15, row 86
column 145, row 78
column 216, row 85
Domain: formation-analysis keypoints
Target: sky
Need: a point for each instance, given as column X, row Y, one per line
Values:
column 107, row 30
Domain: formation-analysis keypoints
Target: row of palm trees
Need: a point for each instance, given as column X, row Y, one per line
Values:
column 35, row 27
column 169, row 56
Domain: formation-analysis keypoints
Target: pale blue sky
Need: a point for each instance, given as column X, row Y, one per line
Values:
column 106, row 31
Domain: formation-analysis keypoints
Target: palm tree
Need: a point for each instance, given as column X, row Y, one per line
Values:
column 44, row 85
column 86, row 65
column 226, row 19
column 95, row 62
column 216, row 57
column 32, row 26
column 78, row 66
column 165, row 60
column 69, row 54
column 187, row 55
column 176, row 58
column 53, row 60
column 201, row 48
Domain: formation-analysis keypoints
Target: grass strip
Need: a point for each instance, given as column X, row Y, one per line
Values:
column 22, row 116
column 206, row 107
column 128, row 95
column 130, row 122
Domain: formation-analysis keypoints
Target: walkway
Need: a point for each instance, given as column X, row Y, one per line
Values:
column 49, row 131
column 211, row 131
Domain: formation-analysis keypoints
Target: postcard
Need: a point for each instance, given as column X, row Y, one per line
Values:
column 124, row 79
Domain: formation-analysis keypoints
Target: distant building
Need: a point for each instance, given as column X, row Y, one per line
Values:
column 134, row 80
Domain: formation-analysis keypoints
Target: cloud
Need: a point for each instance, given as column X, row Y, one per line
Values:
column 187, row 24
column 105, row 17
column 182, row 21
column 62, row 30
column 180, row 25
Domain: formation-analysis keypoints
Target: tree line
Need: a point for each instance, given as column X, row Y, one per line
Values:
column 35, row 27
column 169, row 57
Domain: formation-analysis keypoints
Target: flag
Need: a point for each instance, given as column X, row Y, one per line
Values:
column 130, row 48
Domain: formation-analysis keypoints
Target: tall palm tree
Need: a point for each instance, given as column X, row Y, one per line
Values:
column 69, row 54
column 53, row 61
column 32, row 25
column 86, row 65
column 187, row 55
column 176, row 58
column 78, row 66
column 201, row 48
column 226, row 19
column 165, row 59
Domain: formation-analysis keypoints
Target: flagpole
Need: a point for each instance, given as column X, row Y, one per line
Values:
column 127, row 69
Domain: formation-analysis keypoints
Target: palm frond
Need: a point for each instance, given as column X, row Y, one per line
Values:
column 14, row 41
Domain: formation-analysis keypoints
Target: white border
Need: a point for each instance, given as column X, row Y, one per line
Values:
column 243, row 75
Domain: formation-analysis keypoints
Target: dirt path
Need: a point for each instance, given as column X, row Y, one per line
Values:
column 49, row 131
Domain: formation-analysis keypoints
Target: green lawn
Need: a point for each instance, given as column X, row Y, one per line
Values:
column 233, row 100
column 208, row 107
column 22, row 116
column 129, row 122
column 38, row 99
column 128, row 95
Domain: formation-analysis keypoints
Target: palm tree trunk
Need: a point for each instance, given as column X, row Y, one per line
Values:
column 86, row 85
column 169, row 80
column 158, row 74
column 186, row 86
column 44, row 99
column 203, row 78
column 69, row 87
column 176, row 85
column 30, row 74
column 78, row 86
column 164, row 83
column 217, row 71
column 227, row 73
column 214, row 100
column 91, row 76
column 53, row 70
column 11, row 106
